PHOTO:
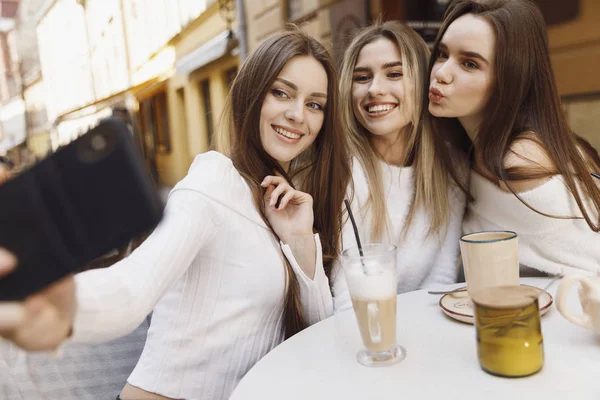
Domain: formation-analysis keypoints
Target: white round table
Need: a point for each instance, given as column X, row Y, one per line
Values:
column 441, row 363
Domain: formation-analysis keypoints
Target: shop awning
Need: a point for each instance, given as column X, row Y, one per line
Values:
column 210, row 51
column 92, row 108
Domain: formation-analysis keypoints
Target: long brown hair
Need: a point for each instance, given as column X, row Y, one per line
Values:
column 322, row 170
column 423, row 151
column 523, row 105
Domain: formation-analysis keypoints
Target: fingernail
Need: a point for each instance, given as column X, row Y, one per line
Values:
column 10, row 315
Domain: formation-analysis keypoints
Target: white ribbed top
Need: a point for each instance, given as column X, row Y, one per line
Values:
column 421, row 261
column 214, row 275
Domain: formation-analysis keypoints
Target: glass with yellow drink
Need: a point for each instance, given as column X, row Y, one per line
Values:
column 509, row 334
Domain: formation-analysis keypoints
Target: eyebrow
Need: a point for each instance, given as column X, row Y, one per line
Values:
column 294, row 87
column 383, row 66
column 471, row 54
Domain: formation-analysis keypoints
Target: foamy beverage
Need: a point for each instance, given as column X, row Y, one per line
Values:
column 371, row 277
column 374, row 301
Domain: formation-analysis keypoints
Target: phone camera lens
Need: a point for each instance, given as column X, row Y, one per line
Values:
column 98, row 143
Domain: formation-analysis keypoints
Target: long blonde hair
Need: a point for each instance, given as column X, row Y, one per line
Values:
column 422, row 150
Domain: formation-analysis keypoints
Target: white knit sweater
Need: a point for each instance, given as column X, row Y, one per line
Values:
column 214, row 275
column 547, row 244
column 421, row 261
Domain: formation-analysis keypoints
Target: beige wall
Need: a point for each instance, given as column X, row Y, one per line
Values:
column 39, row 145
column 268, row 16
column 583, row 115
column 187, row 117
column 575, row 51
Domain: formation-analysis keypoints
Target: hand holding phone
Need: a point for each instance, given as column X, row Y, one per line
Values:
column 88, row 198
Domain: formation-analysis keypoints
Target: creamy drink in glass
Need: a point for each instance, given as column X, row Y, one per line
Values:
column 371, row 279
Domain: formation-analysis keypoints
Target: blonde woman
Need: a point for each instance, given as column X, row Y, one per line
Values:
column 402, row 190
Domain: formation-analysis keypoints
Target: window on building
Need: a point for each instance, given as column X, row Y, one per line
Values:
column 147, row 126
column 161, row 136
column 155, row 124
column 208, row 118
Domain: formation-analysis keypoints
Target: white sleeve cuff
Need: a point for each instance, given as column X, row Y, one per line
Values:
column 315, row 293
column 319, row 272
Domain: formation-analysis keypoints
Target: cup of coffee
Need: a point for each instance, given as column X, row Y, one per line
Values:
column 371, row 276
column 490, row 258
column 589, row 297
column 509, row 333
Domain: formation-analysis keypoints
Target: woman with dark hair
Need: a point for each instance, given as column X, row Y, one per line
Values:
column 241, row 260
column 493, row 94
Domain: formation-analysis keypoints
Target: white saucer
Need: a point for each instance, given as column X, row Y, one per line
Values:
column 458, row 305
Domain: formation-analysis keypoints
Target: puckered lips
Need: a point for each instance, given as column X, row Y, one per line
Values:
column 435, row 95
column 379, row 109
column 287, row 134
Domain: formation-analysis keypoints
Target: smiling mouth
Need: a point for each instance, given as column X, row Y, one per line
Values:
column 287, row 134
column 379, row 110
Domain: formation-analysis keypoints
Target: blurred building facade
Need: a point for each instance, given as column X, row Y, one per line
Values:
column 166, row 67
column 38, row 138
column 331, row 22
column 163, row 67
column 575, row 51
column 12, row 106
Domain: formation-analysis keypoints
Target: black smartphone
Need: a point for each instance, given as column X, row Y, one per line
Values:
column 88, row 198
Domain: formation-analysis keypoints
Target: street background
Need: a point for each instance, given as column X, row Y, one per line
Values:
column 165, row 66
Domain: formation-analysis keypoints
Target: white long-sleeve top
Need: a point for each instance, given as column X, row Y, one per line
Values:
column 547, row 244
column 214, row 275
column 422, row 261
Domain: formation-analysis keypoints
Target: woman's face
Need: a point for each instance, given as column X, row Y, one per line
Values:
column 293, row 110
column 462, row 75
column 380, row 95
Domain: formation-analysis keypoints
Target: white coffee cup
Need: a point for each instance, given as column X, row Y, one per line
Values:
column 589, row 296
column 490, row 258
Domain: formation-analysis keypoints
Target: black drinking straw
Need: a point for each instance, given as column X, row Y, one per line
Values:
column 595, row 175
column 360, row 250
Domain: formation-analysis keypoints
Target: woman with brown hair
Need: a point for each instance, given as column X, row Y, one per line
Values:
column 241, row 260
column 492, row 92
column 402, row 194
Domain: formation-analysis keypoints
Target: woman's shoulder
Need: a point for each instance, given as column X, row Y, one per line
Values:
column 210, row 159
column 214, row 177
column 528, row 157
column 212, row 174
column 527, row 151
